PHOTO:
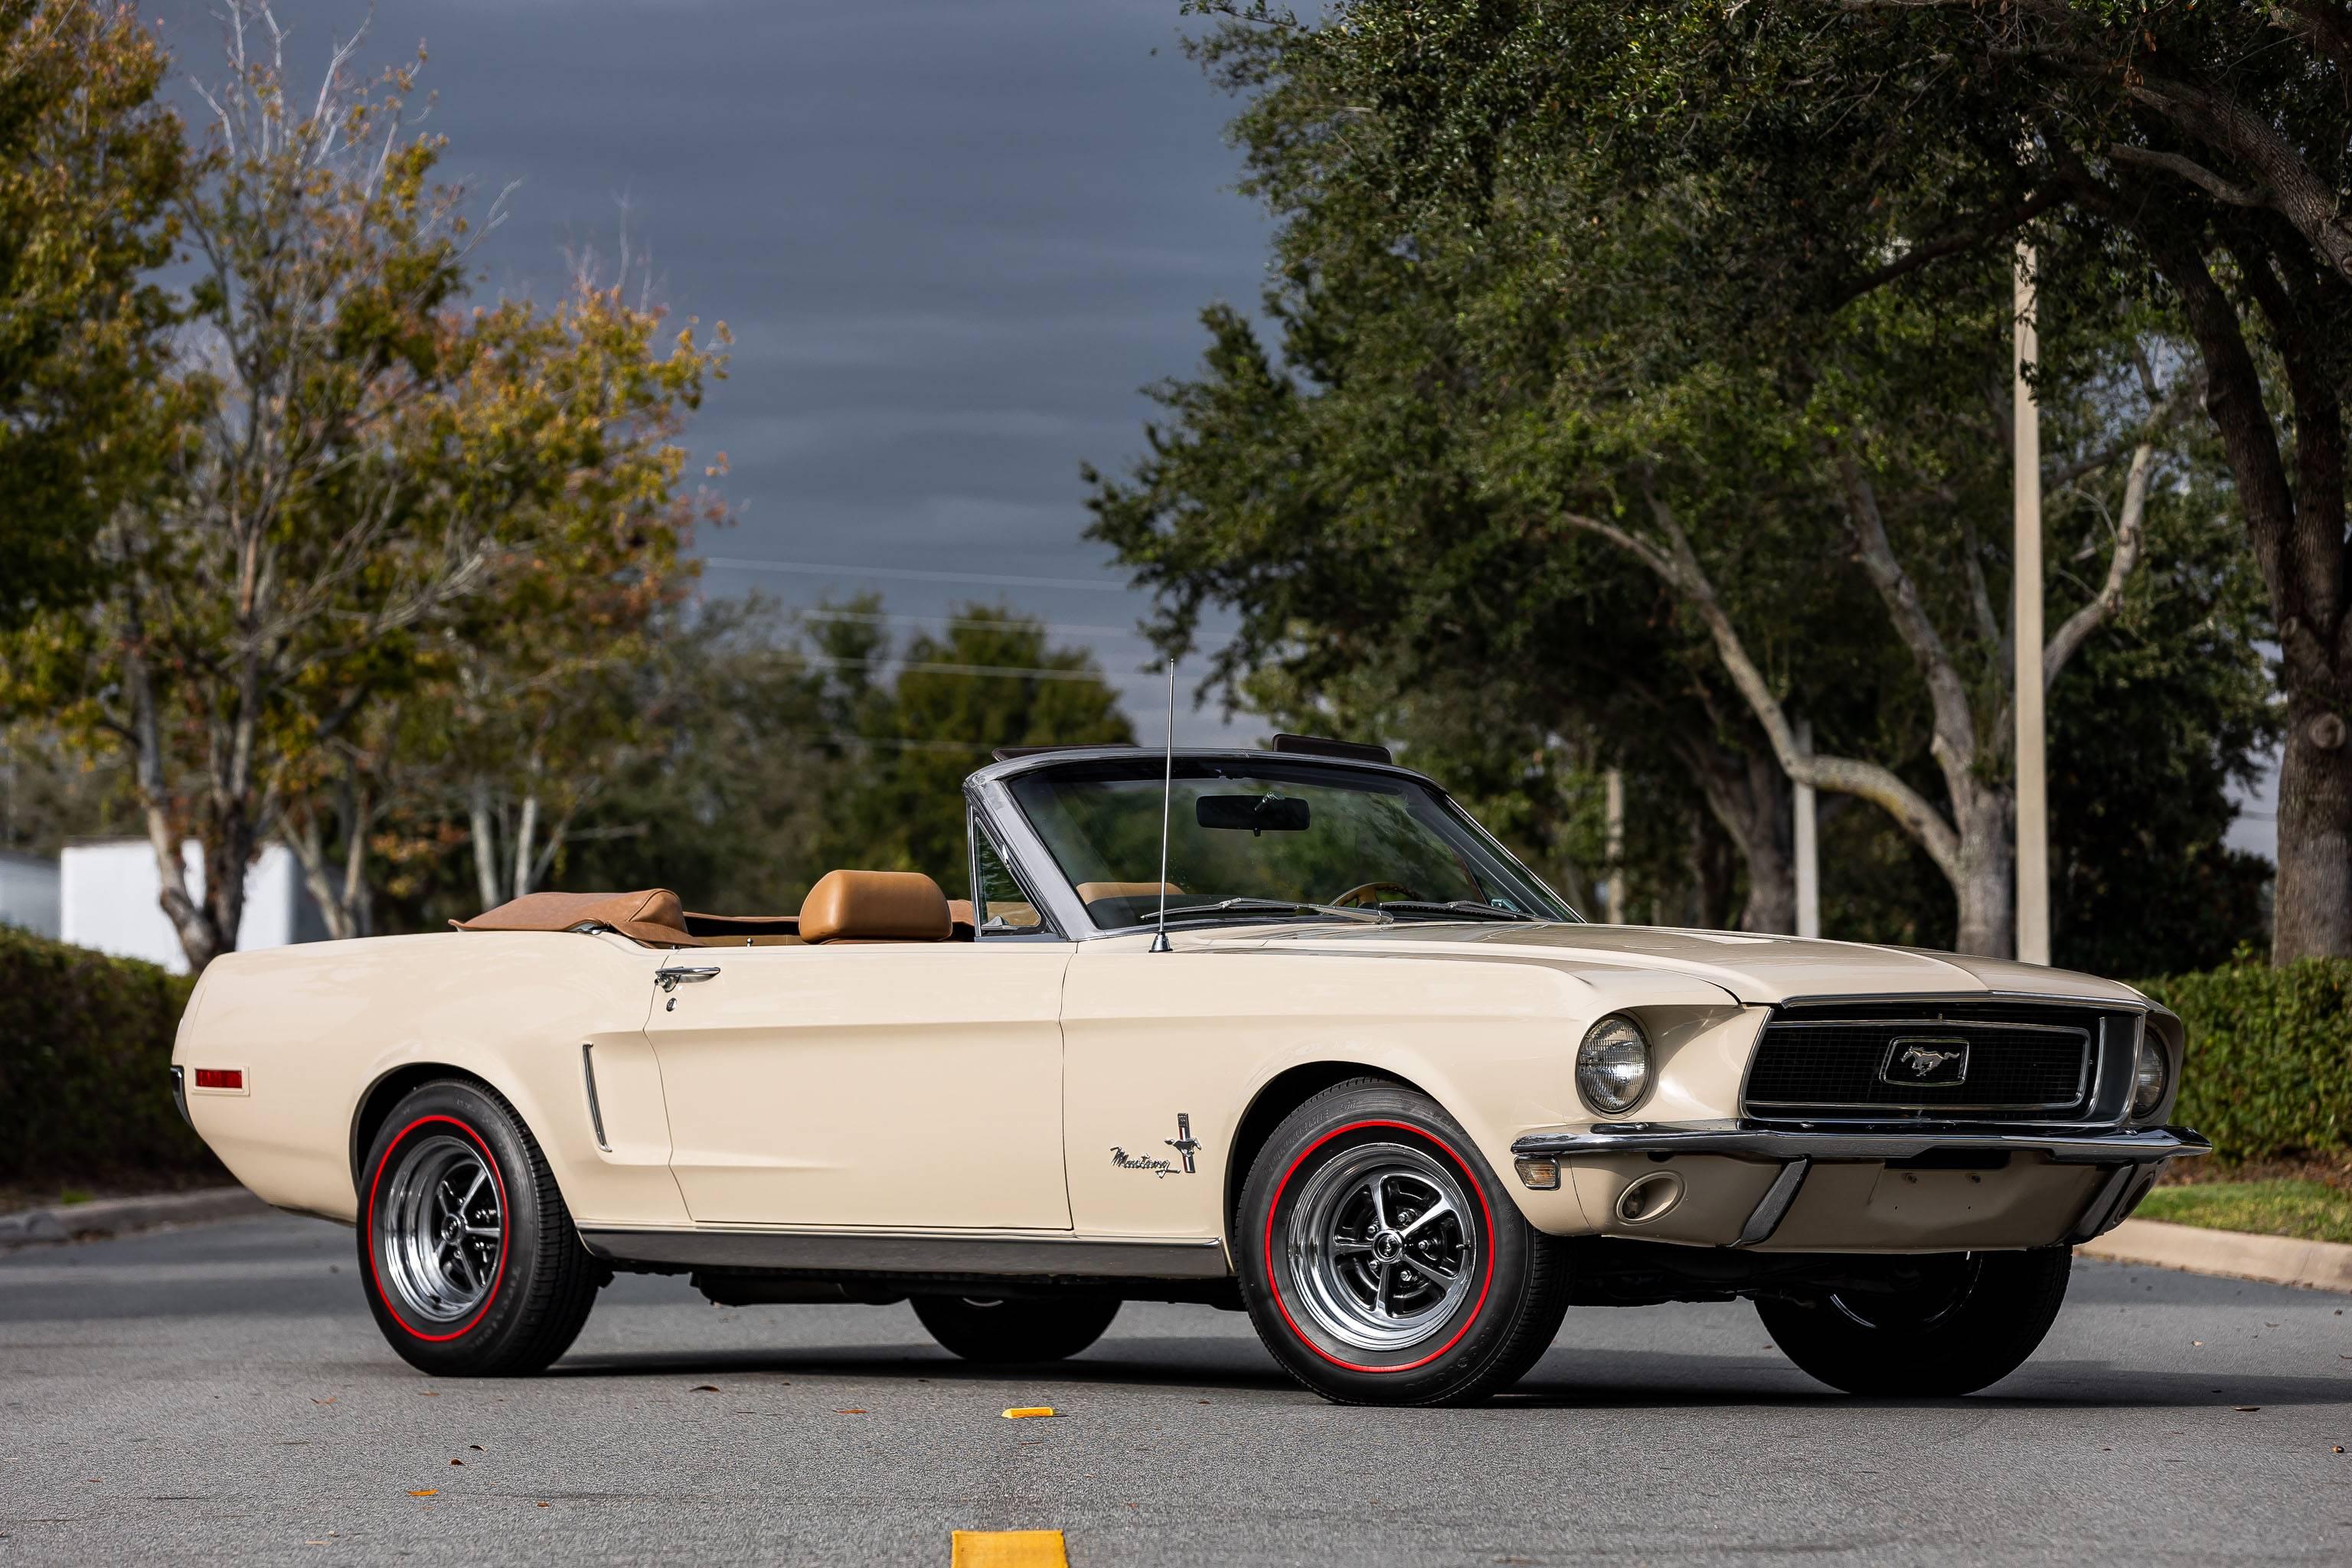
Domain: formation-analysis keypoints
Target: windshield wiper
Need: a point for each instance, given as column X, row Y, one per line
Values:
column 1470, row 907
column 1285, row 906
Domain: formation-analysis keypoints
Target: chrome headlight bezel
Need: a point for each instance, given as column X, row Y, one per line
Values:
column 1614, row 1065
column 2151, row 1076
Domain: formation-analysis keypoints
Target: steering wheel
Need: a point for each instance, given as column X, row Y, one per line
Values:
column 1362, row 894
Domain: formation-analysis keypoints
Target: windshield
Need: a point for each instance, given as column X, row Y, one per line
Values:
column 1251, row 834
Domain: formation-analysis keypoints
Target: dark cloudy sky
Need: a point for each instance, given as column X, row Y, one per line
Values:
column 952, row 238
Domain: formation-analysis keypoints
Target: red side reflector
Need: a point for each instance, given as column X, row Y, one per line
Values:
column 220, row 1078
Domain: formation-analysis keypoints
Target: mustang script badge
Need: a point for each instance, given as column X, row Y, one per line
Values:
column 1928, row 1063
column 1184, row 1143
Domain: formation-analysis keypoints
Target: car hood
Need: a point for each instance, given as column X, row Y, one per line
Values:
column 1754, row 969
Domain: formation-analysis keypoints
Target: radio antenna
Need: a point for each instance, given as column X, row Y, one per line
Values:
column 1166, row 793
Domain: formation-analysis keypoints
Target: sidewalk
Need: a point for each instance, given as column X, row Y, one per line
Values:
column 2274, row 1259
column 113, row 1217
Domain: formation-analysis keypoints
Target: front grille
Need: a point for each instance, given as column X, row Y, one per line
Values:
column 1985, row 1062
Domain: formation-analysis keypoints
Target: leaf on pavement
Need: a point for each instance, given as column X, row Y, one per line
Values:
column 2248, row 1409
column 329, row 1400
column 428, row 1492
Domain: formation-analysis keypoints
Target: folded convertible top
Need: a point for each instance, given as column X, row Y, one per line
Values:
column 651, row 915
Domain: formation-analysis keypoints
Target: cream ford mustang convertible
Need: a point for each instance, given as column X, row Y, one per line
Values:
column 1338, row 1060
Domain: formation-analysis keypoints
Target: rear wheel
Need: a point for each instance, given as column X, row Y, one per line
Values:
column 467, row 1252
column 1005, row 1330
column 1381, row 1261
column 1967, row 1320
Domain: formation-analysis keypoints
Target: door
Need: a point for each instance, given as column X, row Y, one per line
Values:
column 910, row 1085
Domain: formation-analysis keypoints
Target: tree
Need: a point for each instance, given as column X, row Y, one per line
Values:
column 901, row 746
column 2193, row 154
column 1506, row 348
column 367, row 473
column 90, row 164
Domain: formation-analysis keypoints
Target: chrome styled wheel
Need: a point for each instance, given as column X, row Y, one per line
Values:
column 1379, row 1248
column 444, row 1226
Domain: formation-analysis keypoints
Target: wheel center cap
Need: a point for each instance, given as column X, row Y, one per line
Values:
column 1388, row 1246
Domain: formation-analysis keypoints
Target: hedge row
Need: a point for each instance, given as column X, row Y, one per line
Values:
column 2270, row 1056
column 85, row 1046
column 85, row 1040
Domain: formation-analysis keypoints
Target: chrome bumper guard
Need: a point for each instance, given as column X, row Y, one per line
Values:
column 2132, row 1156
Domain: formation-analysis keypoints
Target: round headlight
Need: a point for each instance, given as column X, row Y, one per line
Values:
column 1612, row 1064
column 2150, row 1078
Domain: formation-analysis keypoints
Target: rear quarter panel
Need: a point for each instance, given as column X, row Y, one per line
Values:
column 315, row 1026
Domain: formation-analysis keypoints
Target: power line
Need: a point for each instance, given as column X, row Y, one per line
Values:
column 915, row 574
column 959, row 623
column 926, row 667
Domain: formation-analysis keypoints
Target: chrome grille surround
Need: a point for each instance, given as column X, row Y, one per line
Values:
column 2041, row 1063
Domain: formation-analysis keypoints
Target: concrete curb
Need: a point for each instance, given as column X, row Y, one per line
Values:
column 112, row 1216
column 2273, row 1259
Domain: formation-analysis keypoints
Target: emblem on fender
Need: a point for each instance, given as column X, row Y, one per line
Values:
column 1184, row 1143
column 1914, row 1062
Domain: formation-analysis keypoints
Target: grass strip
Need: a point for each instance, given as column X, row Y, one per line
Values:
column 2307, row 1210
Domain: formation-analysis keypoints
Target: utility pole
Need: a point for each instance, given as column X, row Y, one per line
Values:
column 2033, row 777
column 1808, row 852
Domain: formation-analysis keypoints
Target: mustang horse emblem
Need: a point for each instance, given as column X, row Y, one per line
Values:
column 1927, row 1062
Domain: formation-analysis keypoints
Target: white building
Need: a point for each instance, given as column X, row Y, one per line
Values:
column 109, row 892
column 29, row 892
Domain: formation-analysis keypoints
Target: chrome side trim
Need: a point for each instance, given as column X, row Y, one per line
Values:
column 916, row 1252
column 180, row 1092
column 1748, row 1142
column 1773, row 1206
column 595, row 1110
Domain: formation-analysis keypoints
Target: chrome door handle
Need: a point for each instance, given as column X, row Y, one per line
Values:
column 670, row 979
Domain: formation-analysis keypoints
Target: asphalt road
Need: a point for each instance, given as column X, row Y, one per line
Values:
column 220, row 1395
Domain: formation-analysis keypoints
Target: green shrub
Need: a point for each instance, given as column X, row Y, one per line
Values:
column 2270, row 1056
column 85, row 1046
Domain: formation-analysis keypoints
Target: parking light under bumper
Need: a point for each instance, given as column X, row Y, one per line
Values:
column 2130, row 1157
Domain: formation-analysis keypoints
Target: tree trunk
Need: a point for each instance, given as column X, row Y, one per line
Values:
column 1986, row 882
column 486, row 846
column 1771, row 852
column 2314, row 897
column 1750, row 798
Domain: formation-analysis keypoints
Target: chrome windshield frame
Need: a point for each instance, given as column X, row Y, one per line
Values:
column 989, row 796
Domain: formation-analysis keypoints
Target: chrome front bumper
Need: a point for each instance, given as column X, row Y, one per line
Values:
column 2130, row 1158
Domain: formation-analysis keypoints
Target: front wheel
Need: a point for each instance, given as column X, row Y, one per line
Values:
column 1381, row 1261
column 467, row 1252
column 1005, row 1331
column 1951, row 1325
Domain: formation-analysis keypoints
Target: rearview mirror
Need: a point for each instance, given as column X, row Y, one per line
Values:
column 1251, row 812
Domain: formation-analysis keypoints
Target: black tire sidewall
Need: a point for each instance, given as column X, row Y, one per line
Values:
column 1012, row 1329
column 2009, row 1309
column 487, row 1341
column 1458, row 1360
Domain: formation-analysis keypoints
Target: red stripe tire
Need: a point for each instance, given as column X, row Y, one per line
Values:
column 467, row 1254
column 1382, row 1262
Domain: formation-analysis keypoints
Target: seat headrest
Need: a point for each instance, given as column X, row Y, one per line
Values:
column 875, row 906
